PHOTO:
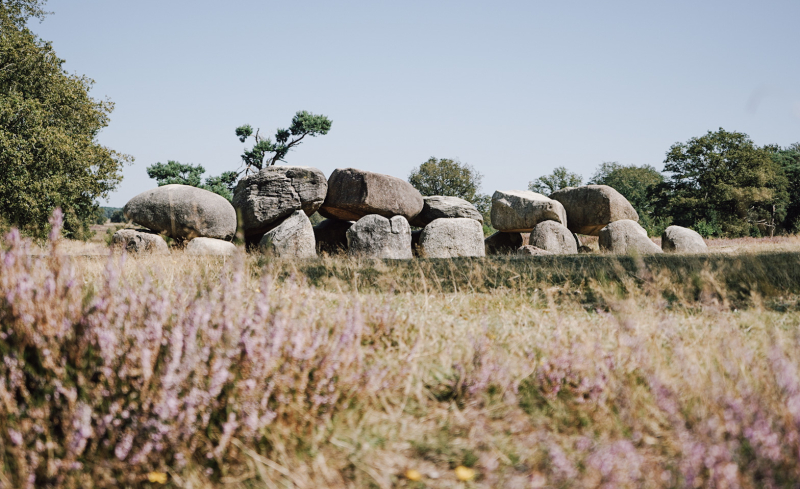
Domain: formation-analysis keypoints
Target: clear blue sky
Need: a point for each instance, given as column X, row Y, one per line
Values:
column 513, row 88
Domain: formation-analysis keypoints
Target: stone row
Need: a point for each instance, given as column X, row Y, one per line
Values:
column 371, row 214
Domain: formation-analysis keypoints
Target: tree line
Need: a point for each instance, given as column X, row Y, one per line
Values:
column 719, row 184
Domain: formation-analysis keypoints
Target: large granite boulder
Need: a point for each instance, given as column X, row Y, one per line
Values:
column 134, row 241
column 521, row 210
column 294, row 237
column 375, row 236
column 441, row 207
column 353, row 194
column 501, row 243
column 553, row 237
column 529, row 250
column 183, row 212
column 265, row 198
column 331, row 236
column 210, row 246
column 591, row 207
column 677, row 239
column 625, row 237
column 450, row 238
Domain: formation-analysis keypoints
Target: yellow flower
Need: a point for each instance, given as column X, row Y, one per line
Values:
column 413, row 475
column 157, row 477
column 464, row 473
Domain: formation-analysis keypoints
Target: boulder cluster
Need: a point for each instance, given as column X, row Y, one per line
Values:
column 371, row 215
column 554, row 223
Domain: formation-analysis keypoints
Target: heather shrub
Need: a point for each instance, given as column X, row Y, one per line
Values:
column 253, row 372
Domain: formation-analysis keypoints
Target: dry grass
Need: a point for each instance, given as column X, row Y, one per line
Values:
column 645, row 373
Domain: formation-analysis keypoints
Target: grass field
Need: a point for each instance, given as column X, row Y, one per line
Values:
column 572, row 371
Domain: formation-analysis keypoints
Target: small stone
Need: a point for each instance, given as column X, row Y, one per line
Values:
column 210, row 246
column 553, row 237
column 529, row 250
column 677, row 239
column 134, row 241
column 626, row 236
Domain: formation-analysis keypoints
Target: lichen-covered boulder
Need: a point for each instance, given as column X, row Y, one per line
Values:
column 375, row 236
column 451, row 238
column 210, row 246
column 265, row 198
column 591, row 207
column 677, row 239
column 353, row 194
column 183, row 212
column 626, row 236
column 529, row 250
column 134, row 241
column 331, row 236
column 501, row 243
column 445, row 207
column 294, row 237
column 553, row 237
column 521, row 210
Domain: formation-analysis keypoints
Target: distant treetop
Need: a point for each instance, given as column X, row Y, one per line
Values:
column 303, row 124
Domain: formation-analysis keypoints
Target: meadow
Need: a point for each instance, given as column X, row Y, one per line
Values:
column 249, row 372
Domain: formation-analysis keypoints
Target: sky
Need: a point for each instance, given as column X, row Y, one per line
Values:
column 513, row 88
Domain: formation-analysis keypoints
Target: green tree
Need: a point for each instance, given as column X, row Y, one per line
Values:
column 789, row 160
column 175, row 172
column 452, row 178
column 303, row 124
column 560, row 178
column 724, row 182
column 48, row 133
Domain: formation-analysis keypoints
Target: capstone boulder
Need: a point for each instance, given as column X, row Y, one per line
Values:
column 441, row 207
column 521, row 210
column 265, row 198
column 183, row 212
column 451, row 238
column 626, row 236
column 353, row 194
column 294, row 237
column 591, row 207
column 375, row 236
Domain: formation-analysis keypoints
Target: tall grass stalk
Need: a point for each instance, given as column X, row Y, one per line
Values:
column 340, row 373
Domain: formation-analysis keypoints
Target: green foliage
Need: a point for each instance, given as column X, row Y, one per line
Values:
column 789, row 161
column 117, row 216
column 175, row 172
column 303, row 124
column 452, row 178
column 48, row 133
column 724, row 175
column 560, row 178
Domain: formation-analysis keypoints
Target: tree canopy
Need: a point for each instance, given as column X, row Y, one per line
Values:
column 560, row 178
column 303, row 124
column 725, row 181
column 789, row 161
column 187, row 174
column 48, row 133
